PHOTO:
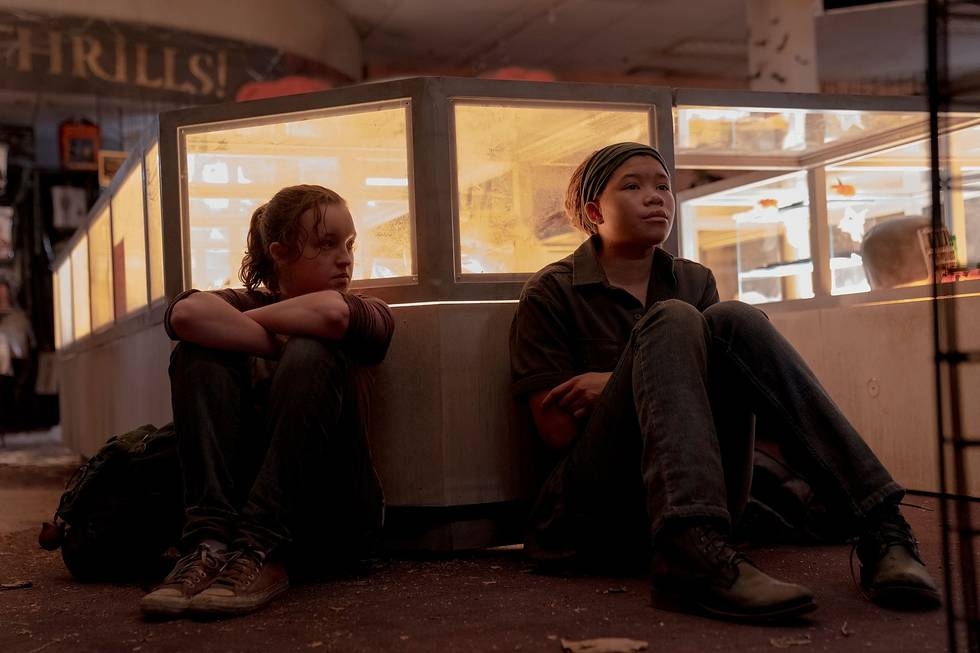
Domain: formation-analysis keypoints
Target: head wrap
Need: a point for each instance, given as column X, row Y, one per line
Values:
column 603, row 163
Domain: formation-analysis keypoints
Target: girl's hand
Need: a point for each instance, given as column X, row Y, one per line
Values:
column 577, row 396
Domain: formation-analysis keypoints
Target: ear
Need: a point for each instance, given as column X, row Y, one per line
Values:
column 593, row 212
column 278, row 251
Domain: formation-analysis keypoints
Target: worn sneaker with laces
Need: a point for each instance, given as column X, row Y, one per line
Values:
column 192, row 573
column 247, row 582
column 892, row 571
column 696, row 570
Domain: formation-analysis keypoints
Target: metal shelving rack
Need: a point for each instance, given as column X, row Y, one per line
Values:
column 952, row 86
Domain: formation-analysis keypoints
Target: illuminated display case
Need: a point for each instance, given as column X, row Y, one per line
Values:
column 456, row 186
column 796, row 203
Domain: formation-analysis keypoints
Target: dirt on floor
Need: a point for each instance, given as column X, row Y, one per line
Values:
column 479, row 601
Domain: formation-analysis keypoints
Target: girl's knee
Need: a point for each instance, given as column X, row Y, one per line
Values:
column 672, row 313
column 727, row 317
column 190, row 356
column 735, row 311
column 304, row 353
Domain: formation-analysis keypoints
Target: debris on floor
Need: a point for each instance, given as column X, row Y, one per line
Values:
column 793, row 640
column 16, row 585
column 603, row 645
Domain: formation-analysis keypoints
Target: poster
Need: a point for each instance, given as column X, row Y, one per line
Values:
column 6, row 233
column 69, row 206
column 4, row 149
column 79, row 145
column 109, row 163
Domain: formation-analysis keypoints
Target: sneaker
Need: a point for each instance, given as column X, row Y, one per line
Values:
column 192, row 573
column 892, row 571
column 696, row 570
column 247, row 583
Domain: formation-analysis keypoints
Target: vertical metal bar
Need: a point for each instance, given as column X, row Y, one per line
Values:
column 932, row 52
column 816, row 180
column 948, row 357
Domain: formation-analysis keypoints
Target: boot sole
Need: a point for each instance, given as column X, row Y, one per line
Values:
column 674, row 602
column 205, row 604
column 164, row 608
column 910, row 598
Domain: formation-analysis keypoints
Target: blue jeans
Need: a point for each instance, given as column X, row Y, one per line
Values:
column 672, row 435
column 281, row 461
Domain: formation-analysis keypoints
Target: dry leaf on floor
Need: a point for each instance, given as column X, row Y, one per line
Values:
column 16, row 585
column 603, row 645
column 793, row 640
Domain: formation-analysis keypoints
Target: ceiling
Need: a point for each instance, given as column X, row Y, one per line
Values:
column 622, row 38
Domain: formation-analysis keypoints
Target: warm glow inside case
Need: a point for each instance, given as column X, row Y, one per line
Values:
column 512, row 168
column 129, row 245
column 782, row 203
column 876, row 207
column 154, row 221
column 100, row 274
column 359, row 152
column 78, row 280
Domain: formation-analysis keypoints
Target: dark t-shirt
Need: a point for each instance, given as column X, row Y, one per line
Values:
column 366, row 342
column 570, row 320
column 368, row 332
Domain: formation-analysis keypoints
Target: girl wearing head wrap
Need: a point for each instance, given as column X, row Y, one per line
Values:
column 647, row 388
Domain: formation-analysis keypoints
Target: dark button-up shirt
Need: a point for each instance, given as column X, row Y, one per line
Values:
column 570, row 320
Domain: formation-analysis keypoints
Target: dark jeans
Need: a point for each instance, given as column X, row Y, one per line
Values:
column 672, row 435
column 285, row 461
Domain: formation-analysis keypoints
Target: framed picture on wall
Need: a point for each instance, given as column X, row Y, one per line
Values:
column 69, row 206
column 109, row 162
column 79, row 145
column 4, row 149
column 6, row 233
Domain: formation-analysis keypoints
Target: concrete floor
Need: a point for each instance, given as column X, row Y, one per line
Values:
column 483, row 601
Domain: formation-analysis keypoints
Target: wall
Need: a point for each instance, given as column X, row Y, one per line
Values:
column 876, row 361
column 445, row 432
column 314, row 29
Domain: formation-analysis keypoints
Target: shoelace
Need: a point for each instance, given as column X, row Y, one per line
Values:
column 717, row 546
column 187, row 568
column 240, row 568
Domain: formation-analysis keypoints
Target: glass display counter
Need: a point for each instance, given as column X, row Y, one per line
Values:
column 812, row 202
column 456, row 188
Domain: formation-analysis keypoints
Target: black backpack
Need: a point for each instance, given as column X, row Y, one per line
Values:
column 122, row 510
column 783, row 509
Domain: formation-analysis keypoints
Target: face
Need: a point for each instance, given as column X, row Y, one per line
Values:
column 636, row 208
column 327, row 259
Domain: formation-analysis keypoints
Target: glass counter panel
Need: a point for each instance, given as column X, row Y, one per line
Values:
column 154, row 221
column 63, row 318
column 100, row 269
column 755, row 238
column 512, row 167
column 878, row 213
column 964, row 146
column 775, row 132
column 361, row 153
column 129, row 245
column 79, row 290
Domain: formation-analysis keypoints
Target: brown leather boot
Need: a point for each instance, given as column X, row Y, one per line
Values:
column 892, row 572
column 247, row 583
column 695, row 569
